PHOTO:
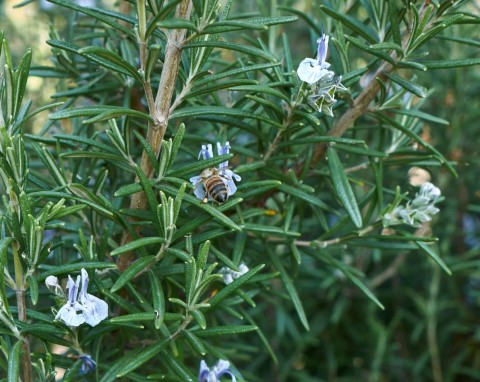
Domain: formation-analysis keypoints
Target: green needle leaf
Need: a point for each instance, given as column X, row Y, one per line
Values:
column 132, row 271
column 342, row 187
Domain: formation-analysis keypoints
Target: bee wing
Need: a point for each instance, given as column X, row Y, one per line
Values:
column 228, row 176
column 199, row 190
column 231, row 187
column 195, row 179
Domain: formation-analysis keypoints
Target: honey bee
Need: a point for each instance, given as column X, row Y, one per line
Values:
column 215, row 186
column 215, row 183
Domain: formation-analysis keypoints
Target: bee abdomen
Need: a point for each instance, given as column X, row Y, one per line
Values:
column 217, row 189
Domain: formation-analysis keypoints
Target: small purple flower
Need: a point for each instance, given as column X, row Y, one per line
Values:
column 216, row 372
column 223, row 151
column 206, row 152
column 88, row 364
column 312, row 70
column 69, row 313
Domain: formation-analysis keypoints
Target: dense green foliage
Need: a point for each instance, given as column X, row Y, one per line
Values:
column 349, row 278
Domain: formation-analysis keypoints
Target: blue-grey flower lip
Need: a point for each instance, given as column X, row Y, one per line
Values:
column 206, row 152
column 223, row 150
column 213, row 374
column 72, row 289
column 322, row 49
column 69, row 312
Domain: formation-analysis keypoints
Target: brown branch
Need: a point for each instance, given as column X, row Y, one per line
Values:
column 22, row 313
column 389, row 272
column 359, row 107
column 159, row 111
column 22, row 316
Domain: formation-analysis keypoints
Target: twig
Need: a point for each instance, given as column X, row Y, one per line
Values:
column 359, row 107
column 389, row 272
column 286, row 123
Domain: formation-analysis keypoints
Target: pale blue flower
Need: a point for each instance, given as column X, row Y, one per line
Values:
column 312, row 70
column 214, row 374
column 82, row 307
column 72, row 312
column 88, row 364
column 229, row 274
column 95, row 310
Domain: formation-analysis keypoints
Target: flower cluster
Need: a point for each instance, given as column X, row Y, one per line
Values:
column 324, row 83
column 417, row 211
column 80, row 307
column 214, row 374
column 223, row 174
column 229, row 274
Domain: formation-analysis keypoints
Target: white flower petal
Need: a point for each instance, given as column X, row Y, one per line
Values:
column 68, row 314
column 95, row 310
column 200, row 191
column 195, row 179
column 231, row 187
column 311, row 71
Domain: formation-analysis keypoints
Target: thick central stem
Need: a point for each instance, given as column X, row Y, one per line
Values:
column 159, row 111
column 22, row 313
column 22, row 316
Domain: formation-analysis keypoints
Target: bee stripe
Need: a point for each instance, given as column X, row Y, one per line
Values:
column 216, row 189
